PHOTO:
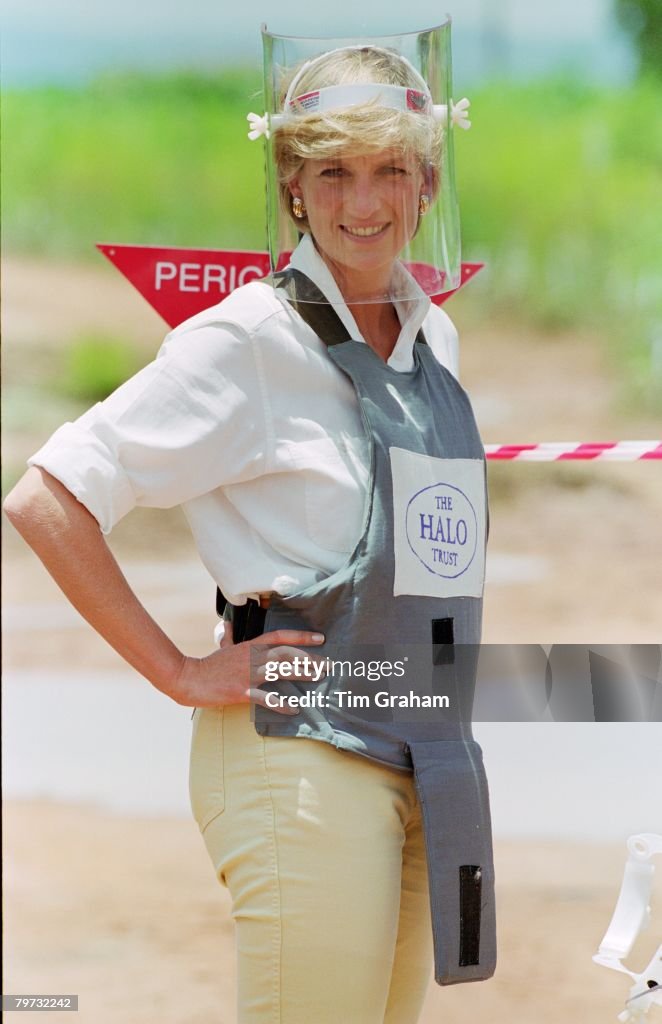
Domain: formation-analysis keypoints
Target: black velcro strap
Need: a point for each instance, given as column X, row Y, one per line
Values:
column 250, row 622
column 312, row 306
column 471, row 884
column 247, row 619
column 443, row 652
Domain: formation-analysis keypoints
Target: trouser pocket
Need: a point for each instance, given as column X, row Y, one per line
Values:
column 206, row 774
column 452, row 789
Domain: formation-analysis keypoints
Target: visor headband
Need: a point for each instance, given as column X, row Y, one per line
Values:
column 334, row 97
column 339, row 97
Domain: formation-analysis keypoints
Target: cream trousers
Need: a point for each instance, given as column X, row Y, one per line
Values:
column 323, row 854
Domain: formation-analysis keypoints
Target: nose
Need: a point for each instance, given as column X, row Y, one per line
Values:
column 362, row 200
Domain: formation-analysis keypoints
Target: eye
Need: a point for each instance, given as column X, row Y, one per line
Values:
column 394, row 171
column 332, row 172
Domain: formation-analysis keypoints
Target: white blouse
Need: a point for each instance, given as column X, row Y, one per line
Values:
column 243, row 420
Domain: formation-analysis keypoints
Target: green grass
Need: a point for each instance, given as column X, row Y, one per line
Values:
column 131, row 160
column 559, row 182
column 95, row 364
column 560, row 193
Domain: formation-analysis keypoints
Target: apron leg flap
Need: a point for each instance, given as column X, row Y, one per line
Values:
column 452, row 788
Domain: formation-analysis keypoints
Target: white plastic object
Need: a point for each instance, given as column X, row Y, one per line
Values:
column 632, row 915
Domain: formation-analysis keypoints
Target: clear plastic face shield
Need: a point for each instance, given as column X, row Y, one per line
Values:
column 359, row 137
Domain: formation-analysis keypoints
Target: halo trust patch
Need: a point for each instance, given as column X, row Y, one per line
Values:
column 438, row 525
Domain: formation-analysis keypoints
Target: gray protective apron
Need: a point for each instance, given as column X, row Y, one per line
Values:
column 409, row 594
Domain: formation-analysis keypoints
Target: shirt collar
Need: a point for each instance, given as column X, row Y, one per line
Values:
column 411, row 311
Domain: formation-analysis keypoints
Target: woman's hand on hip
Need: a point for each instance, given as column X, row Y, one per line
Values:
column 234, row 673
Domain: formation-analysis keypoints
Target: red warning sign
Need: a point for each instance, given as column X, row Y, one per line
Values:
column 178, row 283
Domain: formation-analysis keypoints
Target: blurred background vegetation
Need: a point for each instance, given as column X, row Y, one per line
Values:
column 560, row 189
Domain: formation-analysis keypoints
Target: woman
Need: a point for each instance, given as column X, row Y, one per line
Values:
column 304, row 427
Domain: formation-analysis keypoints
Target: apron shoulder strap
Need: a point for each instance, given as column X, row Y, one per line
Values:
column 312, row 306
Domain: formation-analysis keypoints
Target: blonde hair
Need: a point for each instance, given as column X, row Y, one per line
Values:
column 364, row 128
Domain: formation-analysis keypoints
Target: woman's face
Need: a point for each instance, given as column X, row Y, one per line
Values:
column 362, row 211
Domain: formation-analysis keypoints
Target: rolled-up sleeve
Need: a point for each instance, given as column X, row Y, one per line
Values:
column 189, row 422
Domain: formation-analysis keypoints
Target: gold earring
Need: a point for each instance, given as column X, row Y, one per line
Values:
column 423, row 204
column 298, row 207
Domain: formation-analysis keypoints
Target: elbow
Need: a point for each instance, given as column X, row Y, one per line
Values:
column 39, row 502
column 49, row 518
column 21, row 504
column 17, row 501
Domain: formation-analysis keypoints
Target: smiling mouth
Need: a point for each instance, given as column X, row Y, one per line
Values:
column 367, row 232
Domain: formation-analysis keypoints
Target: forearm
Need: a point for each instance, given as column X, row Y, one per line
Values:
column 67, row 539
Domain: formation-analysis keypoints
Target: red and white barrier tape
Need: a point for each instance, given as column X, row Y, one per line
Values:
column 603, row 451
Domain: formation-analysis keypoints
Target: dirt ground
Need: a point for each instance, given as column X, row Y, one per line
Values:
column 99, row 925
